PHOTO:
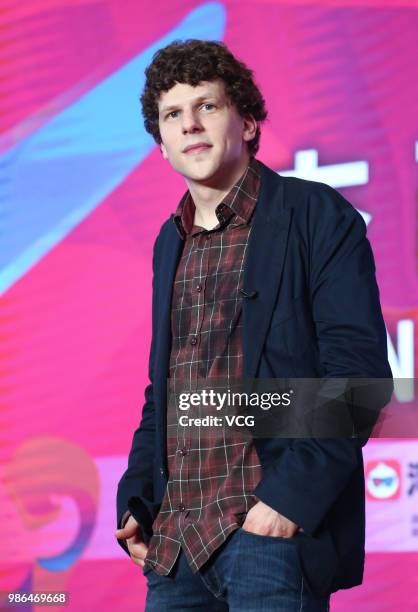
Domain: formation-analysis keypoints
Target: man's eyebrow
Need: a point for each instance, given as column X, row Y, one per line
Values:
column 165, row 109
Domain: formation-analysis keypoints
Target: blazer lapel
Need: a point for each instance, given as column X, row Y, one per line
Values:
column 263, row 266
column 171, row 251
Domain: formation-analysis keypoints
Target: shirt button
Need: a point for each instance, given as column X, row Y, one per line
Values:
column 207, row 236
column 182, row 451
column 199, row 288
column 193, row 340
column 182, row 507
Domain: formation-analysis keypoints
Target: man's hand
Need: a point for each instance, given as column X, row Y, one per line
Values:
column 263, row 520
column 131, row 532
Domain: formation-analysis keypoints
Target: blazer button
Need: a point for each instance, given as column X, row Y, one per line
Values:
column 162, row 471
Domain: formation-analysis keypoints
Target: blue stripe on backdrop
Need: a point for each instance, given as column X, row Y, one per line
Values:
column 56, row 176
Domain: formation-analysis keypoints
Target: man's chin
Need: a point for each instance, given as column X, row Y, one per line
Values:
column 203, row 176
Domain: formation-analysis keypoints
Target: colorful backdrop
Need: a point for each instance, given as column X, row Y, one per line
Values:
column 83, row 192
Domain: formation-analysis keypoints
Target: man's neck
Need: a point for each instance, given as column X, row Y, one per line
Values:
column 206, row 197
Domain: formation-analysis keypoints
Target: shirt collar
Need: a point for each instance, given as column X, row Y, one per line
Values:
column 239, row 203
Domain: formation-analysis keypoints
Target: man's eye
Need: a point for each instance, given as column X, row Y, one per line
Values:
column 172, row 114
column 208, row 106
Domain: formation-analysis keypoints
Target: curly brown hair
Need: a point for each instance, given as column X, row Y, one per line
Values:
column 192, row 61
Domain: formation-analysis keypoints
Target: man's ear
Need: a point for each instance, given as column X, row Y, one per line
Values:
column 163, row 151
column 249, row 128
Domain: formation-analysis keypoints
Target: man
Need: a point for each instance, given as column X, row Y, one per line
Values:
column 254, row 276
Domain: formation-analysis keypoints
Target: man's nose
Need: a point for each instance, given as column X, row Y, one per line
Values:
column 190, row 123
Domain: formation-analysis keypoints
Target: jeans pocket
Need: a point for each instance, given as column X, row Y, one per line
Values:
column 265, row 537
column 147, row 569
column 271, row 561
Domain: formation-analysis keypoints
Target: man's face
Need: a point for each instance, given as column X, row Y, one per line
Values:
column 203, row 136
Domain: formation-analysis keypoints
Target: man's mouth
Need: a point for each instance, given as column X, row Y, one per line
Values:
column 197, row 148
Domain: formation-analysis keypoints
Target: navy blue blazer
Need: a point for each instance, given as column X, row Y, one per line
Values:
column 316, row 313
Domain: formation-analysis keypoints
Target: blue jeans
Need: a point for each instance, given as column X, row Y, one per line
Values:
column 248, row 573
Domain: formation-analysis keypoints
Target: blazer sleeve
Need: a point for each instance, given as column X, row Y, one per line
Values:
column 137, row 480
column 351, row 337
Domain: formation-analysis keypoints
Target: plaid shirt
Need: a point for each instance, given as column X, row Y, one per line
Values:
column 211, row 475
